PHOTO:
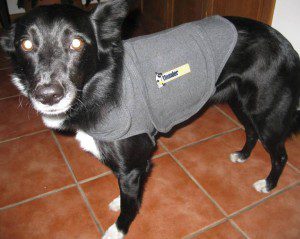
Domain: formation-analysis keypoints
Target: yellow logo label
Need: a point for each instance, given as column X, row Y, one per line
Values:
column 163, row 78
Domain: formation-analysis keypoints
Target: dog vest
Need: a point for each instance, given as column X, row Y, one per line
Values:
column 167, row 78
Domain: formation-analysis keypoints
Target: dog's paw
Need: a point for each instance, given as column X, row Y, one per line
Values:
column 113, row 233
column 261, row 186
column 236, row 157
column 115, row 205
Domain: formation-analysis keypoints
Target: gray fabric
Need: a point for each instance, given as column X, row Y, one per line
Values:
column 145, row 108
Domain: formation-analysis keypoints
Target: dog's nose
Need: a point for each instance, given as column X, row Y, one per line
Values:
column 49, row 94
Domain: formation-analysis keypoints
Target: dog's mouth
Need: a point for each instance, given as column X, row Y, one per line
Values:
column 48, row 102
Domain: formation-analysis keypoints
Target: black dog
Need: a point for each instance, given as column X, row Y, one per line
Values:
column 69, row 62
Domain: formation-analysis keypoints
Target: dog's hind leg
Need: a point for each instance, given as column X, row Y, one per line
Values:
column 278, row 159
column 273, row 129
column 251, row 136
column 272, row 135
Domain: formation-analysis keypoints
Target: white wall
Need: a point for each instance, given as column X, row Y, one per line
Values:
column 286, row 19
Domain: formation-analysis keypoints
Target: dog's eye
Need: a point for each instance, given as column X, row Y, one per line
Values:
column 77, row 44
column 27, row 45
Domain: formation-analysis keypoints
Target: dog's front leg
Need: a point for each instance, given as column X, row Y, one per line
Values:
column 130, row 195
column 129, row 159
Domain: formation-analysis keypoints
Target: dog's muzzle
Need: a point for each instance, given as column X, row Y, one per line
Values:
column 49, row 94
column 53, row 98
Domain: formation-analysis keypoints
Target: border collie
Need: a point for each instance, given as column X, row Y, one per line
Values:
column 69, row 63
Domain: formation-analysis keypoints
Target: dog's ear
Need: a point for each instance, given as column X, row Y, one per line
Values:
column 7, row 40
column 107, row 20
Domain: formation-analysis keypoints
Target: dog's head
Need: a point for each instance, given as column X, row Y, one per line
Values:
column 58, row 51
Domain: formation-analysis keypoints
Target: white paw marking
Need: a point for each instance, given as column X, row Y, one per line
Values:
column 87, row 143
column 54, row 121
column 113, row 233
column 115, row 205
column 235, row 158
column 261, row 186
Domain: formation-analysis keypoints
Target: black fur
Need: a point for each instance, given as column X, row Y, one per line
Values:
column 261, row 82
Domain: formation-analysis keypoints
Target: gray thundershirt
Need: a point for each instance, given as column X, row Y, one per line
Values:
column 168, row 77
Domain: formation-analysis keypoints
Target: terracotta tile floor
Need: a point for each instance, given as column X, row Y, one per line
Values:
column 49, row 188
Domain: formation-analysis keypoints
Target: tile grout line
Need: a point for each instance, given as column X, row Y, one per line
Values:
column 293, row 167
column 159, row 155
column 95, row 177
column 9, row 97
column 233, row 224
column 24, row 136
column 205, row 139
column 229, row 217
column 54, row 191
column 202, row 189
column 195, row 181
column 206, row 228
column 228, row 116
column 37, row 197
column 261, row 201
column 85, row 199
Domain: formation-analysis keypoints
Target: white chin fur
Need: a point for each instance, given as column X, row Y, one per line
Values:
column 54, row 121
column 17, row 82
column 113, row 233
column 56, row 109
